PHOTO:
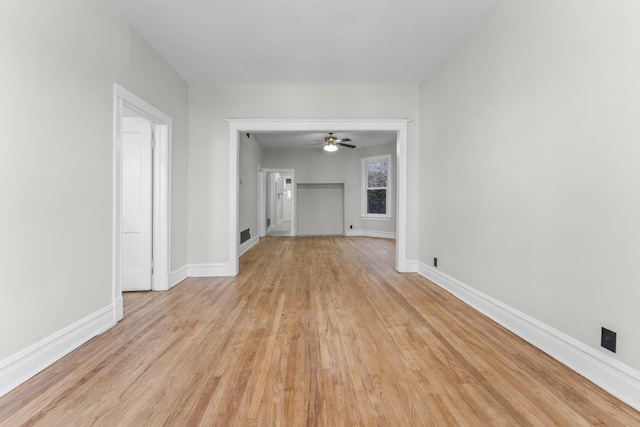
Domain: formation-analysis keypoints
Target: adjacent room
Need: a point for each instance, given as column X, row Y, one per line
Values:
column 303, row 189
column 420, row 212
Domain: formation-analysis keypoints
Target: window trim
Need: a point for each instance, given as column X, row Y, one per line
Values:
column 363, row 186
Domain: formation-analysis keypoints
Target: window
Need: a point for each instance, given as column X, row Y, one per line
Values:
column 376, row 176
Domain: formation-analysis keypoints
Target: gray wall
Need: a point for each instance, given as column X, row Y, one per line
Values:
column 531, row 151
column 320, row 209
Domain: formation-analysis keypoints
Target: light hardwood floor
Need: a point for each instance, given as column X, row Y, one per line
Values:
column 314, row 331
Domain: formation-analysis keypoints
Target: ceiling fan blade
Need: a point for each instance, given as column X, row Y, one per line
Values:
column 315, row 143
column 344, row 140
column 346, row 145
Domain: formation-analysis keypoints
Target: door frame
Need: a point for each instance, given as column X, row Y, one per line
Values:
column 262, row 198
column 160, row 232
column 400, row 126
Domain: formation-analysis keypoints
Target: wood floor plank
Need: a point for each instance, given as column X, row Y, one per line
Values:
column 314, row 331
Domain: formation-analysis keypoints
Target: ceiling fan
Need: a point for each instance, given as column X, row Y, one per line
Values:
column 331, row 142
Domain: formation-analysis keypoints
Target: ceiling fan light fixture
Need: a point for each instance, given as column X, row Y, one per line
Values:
column 330, row 147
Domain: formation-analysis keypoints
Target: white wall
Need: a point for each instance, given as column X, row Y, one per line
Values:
column 531, row 139
column 60, row 61
column 315, row 166
column 250, row 155
column 209, row 106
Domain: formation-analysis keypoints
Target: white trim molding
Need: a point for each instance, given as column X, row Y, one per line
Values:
column 412, row 266
column 371, row 233
column 400, row 126
column 210, row 270
column 161, row 190
column 178, row 276
column 616, row 378
column 23, row 365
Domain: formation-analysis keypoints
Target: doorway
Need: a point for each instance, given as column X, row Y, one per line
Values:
column 400, row 126
column 126, row 104
column 277, row 202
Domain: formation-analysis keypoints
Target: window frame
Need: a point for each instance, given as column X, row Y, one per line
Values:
column 364, row 162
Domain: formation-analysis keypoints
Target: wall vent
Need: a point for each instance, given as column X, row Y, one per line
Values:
column 268, row 222
column 245, row 235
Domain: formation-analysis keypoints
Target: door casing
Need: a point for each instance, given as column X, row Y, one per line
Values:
column 161, row 192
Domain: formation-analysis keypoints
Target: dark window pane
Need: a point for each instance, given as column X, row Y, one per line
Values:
column 377, row 174
column 377, row 201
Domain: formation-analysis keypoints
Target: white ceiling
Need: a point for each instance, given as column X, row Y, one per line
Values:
column 332, row 42
column 360, row 139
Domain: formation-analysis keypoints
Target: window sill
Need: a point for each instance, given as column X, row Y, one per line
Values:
column 376, row 218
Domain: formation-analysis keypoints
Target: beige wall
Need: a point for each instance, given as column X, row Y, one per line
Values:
column 530, row 139
column 209, row 106
column 60, row 61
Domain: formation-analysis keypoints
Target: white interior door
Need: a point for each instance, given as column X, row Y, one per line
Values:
column 136, row 204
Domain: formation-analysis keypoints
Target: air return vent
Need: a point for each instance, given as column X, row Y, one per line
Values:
column 245, row 235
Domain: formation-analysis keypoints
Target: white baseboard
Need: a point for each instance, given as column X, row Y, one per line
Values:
column 412, row 266
column 371, row 233
column 209, row 270
column 178, row 276
column 615, row 377
column 23, row 365
column 247, row 245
